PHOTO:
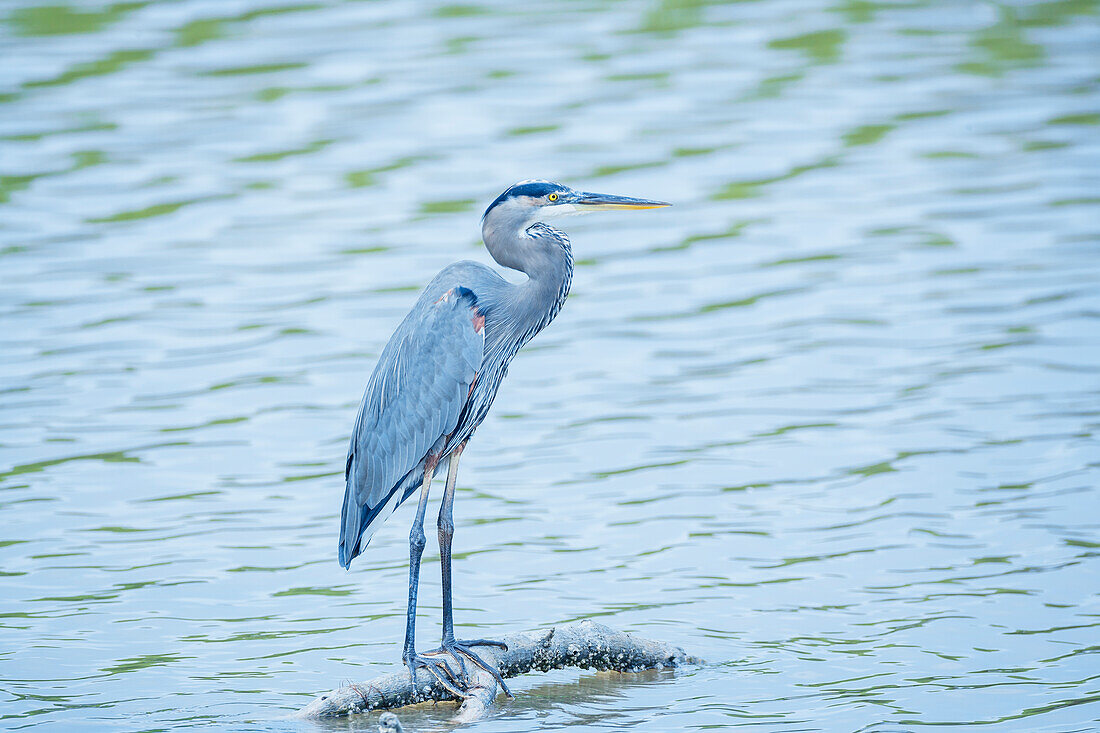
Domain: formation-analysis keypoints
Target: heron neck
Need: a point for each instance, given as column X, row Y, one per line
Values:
column 548, row 284
column 545, row 256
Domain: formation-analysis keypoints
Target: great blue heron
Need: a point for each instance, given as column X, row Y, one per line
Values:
column 437, row 377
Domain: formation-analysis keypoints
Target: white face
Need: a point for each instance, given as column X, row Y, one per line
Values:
column 543, row 207
column 555, row 210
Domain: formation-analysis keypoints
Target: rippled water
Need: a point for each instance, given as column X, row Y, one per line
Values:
column 829, row 423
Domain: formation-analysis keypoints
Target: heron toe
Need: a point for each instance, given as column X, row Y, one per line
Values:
column 460, row 648
column 438, row 668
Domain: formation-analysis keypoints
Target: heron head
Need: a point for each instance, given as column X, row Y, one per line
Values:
column 506, row 224
column 534, row 200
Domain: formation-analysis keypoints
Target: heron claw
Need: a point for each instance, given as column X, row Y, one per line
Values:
column 459, row 649
column 416, row 661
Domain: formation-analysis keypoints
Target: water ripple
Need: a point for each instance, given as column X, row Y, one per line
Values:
column 829, row 422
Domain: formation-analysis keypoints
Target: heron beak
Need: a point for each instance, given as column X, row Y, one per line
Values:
column 603, row 202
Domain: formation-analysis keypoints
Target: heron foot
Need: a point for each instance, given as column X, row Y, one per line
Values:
column 439, row 669
column 459, row 649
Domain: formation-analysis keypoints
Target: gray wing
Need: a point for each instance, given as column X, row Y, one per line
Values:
column 413, row 400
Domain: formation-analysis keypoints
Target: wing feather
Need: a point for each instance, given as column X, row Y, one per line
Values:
column 413, row 399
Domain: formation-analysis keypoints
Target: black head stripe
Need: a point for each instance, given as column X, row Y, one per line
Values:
column 534, row 189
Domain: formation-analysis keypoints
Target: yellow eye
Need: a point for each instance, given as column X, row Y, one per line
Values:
column 553, row 197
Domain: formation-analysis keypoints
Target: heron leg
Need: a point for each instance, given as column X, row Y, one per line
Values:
column 446, row 527
column 437, row 667
column 458, row 649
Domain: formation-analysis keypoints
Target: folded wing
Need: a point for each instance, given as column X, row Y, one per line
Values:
column 412, row 402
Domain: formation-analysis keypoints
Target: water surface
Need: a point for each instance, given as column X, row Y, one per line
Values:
column 828, row 423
